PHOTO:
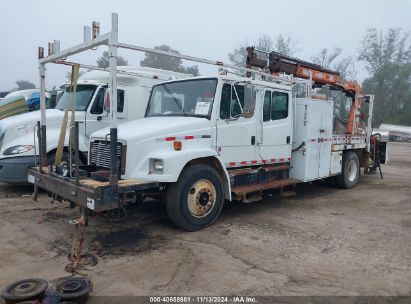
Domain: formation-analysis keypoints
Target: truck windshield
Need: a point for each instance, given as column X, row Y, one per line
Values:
column 183, row 98
column 83, row 96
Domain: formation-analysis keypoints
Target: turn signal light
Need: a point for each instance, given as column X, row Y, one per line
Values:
column 177, row 145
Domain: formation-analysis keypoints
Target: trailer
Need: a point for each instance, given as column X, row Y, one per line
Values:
column 208, row 139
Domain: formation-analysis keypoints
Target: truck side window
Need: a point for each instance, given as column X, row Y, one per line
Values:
column 267, row 106
column 120, row 101
column 98, row 104
column 225, row 101
column 231, row 105
column 235, row 103
column 279, row 106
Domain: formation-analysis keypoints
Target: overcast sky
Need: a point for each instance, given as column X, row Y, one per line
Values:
column 208, row 28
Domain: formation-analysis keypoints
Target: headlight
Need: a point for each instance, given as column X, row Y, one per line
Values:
column 17, row 149
column 157, row 165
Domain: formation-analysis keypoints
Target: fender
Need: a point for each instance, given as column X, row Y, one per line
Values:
column 175, row 162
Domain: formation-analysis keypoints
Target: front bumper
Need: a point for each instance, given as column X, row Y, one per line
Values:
column 13, row 170
column 89, row 193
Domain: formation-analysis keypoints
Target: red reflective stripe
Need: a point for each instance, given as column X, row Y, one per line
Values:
column 243, row 163
column 264, row 161
column 273, row 160
column 231, row 164
column 188, row 137
column 281, row 159
column 289, row 158
column 170, row 138
column 253, row 161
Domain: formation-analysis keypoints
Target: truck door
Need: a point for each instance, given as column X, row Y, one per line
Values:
column 98, row 117
column 276, row 125
column 236, row 134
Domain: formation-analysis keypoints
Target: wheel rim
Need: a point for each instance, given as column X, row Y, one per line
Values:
column 201, row 198
column 352, row 170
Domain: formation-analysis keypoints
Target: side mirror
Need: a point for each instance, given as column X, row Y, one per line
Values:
column 107, row 101
column 249, row 100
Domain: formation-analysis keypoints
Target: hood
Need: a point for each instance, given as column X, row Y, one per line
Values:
column 150, row 127
column 31, row 118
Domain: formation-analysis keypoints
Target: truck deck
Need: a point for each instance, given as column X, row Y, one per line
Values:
column 89, row 193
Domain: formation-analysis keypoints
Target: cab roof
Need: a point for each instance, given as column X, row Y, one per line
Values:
column 234, row 78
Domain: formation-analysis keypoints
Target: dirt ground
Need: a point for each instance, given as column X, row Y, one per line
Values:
column 323, row 241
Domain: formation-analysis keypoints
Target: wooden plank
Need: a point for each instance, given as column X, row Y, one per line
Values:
column 278, row 183
column 92, row 183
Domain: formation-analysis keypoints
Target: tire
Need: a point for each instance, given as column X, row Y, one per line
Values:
column 196, row 199
column 350, row 172
column 27, row 289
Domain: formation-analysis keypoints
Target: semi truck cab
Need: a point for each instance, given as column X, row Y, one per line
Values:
column 18, row 141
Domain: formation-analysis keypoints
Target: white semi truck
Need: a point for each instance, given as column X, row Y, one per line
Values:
column 205, row 140
column 17, row 138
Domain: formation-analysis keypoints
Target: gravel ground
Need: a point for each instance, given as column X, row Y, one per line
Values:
column 323, row 241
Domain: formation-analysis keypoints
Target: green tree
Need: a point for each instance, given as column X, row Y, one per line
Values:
column 387, row 58
column 103, row 62
column 24, row 85
column 167, row 62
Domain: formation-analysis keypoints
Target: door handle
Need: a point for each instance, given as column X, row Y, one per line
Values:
column 253, row 140
column 288, row 139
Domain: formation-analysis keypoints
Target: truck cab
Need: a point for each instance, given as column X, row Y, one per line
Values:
column 18, row 143
column 197, row 136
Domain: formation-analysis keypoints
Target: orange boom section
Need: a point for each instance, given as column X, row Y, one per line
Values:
column 278, row 63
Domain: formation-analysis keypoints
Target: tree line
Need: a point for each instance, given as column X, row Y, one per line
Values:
column 386, row 57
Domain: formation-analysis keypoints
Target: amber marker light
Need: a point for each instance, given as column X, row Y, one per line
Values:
column 177, row 145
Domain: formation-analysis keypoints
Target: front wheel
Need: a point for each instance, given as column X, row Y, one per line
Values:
column 196, row 200
column 350, row 172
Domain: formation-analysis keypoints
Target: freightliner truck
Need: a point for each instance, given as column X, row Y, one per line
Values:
column 210, row 139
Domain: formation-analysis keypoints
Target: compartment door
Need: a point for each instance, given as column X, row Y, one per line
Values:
column 325, row 133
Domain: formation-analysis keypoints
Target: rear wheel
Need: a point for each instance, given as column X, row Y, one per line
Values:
column 350, row 171
column 196, row 200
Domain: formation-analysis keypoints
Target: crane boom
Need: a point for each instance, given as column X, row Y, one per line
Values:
column 278, row 63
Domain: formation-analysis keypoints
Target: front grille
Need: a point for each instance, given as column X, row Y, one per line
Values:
column 100, row 155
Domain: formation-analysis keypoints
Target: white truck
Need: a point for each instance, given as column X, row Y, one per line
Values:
column 205, row 140
column 17, row 138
